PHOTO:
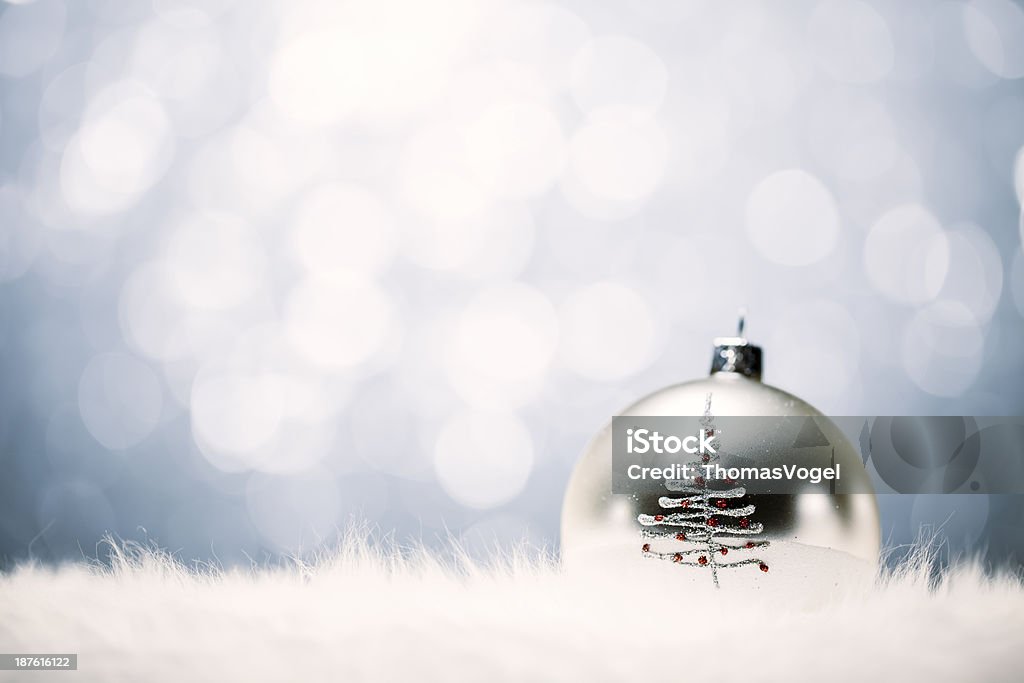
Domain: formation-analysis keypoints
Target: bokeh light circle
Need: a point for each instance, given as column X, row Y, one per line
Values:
column 316, row 78
column 340, row 228
column 214, row 260
column 995, row 34
column 496, row 242
column 483, row 459
column 852, row 134
column 907, row 254
column 792, row 218
column 339, row 323
column 975, row 273
column 618, row 155
column 435, row 179
column 516, row 148
column 120, row 400
column 124, row 145
column 942, row 348
column 235, row 413
column 617, row 71
column 607, row 332
column 954, row 57
column 544, row 36
column 501, row 346
column 851, row 41
column 157, row 322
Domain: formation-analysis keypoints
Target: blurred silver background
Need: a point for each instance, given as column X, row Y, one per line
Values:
column 267, row 267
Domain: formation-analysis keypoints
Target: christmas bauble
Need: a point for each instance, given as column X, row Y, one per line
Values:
column 808, row 542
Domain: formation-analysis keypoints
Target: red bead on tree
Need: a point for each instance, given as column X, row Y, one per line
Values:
column 721, row 504
column 659, row 518
column 702, row 560
column 725, row 551
column 749, row 544
column 712, row 522
column 678, row 557
column 646, row 547
column 680, row 537
column 763, row 567
column 744, row 523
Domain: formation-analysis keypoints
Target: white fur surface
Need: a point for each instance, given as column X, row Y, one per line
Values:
column 363, row 615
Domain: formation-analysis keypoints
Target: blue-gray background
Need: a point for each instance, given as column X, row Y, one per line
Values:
column 269, row 266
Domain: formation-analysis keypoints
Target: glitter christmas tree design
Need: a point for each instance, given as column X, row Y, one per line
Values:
column 711, row 520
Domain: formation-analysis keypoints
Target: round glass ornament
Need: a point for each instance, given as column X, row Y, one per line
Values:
column 806, row 543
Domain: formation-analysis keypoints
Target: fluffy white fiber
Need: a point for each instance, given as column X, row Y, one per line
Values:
column 375, row 615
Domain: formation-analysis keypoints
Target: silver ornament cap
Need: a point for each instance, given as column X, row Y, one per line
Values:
column 736, row 354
